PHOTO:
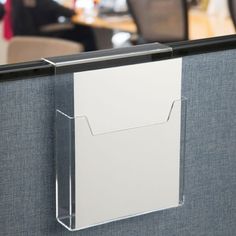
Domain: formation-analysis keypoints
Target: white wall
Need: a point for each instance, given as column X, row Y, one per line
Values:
column 3, row 48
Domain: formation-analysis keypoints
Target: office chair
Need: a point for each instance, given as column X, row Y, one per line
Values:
column 232, row 9
column 160, row 20
column 23, row 49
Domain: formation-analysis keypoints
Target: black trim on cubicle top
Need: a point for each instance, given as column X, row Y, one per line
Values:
column 115, row 57
column 188, row 48
column 25, row 70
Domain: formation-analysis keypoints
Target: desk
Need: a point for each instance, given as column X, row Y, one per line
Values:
column 114, row 23
column 200, row 24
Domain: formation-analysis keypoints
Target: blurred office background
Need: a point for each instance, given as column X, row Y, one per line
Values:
column 111, row 24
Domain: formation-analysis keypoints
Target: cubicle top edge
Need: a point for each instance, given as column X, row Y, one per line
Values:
column 25, row 70
column 115, row 57
column 199, row 46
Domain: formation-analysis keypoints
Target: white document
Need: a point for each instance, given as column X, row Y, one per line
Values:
column 127, row 141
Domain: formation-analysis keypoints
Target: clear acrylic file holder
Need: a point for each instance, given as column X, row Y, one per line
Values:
column 120, row 137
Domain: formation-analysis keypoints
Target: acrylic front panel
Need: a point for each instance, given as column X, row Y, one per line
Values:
column 27, row 188
column 125, row 133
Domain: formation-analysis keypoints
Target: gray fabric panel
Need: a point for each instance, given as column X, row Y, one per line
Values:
column 27, row 205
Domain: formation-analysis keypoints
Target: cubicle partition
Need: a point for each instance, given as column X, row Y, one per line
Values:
column 136, row 141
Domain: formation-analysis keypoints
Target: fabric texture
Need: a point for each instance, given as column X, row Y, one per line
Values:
column 27, row 186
